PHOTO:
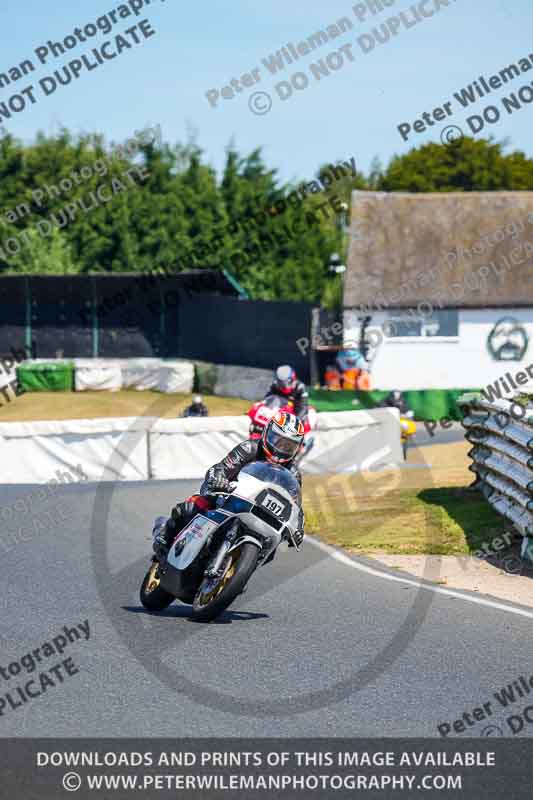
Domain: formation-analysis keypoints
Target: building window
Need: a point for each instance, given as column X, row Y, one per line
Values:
column 438, row 324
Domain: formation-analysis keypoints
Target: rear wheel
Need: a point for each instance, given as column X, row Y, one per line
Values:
column 153, row 596
column 216, row 594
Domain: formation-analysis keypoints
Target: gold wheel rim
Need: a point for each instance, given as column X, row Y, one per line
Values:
column 153, row 579
column 205, row 597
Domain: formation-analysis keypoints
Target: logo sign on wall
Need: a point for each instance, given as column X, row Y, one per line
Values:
column 508, row 340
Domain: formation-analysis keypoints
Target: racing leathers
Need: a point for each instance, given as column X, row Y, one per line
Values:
column 217, row 478
column 298, row 395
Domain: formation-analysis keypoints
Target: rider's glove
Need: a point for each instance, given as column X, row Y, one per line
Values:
column 218, row 483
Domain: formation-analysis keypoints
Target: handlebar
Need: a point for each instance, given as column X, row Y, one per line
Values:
column 223, row 492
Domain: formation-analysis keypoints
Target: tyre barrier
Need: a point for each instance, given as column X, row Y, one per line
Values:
column 502, row 459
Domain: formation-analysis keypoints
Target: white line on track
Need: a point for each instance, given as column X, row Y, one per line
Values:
column 350, row 562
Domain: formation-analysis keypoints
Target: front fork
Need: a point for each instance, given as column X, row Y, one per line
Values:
column 214, row 569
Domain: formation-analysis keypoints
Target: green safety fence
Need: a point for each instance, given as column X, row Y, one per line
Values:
column 427, row 404
column 54, row 376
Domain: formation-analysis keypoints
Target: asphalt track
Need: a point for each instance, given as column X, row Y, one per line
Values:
column 426, row 434
column 311, row 649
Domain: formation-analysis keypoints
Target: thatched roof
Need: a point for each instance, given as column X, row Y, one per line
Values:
column 407, row 249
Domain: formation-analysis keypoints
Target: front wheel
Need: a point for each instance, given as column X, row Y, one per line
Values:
column 152, row 595
column 216, row 594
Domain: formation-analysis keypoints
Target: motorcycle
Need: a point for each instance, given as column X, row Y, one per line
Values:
column 212, row 559
column 262, row 411
column 407, row 430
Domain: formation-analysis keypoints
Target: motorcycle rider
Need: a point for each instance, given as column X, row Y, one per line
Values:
column 197, row 408
column 286, row 384
column 280, row 443
column 396, row 399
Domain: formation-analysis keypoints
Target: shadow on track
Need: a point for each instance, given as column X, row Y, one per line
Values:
column 184, row 612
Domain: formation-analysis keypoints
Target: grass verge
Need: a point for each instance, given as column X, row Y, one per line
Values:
column 423, row 511
column 128, row 403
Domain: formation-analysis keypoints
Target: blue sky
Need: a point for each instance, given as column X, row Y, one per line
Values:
column 200, row 46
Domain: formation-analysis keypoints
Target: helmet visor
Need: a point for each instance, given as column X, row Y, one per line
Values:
column 281, row 445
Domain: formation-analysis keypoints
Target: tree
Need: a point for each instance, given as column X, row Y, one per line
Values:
column 465, row 165
column 39, row 255
column 174, row 213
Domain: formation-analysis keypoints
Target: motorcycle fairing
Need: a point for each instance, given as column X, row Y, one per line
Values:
column 183, row 568
column 190, row 541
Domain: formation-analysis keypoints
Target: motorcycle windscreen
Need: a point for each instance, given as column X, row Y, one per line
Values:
column 190, row 542
column 274, row 474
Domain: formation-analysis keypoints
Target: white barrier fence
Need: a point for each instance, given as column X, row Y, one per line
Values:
column 143, row 448
column 502, row 458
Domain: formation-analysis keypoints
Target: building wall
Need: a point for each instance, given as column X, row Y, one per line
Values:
column 461, row 362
